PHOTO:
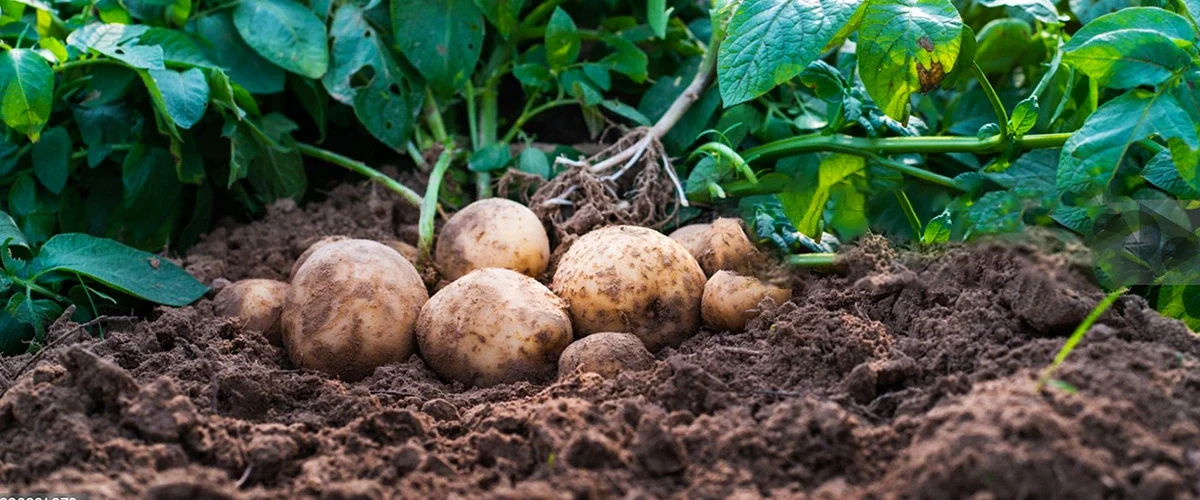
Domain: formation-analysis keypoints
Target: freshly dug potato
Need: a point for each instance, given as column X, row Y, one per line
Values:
column 256, row 304
column 493, row 326
column 492, row 232
column 693, row 237
column 408, row 251
column 631, row 279
column 731, row 300
column 725, row 248
column 605, row 353
column 352, row 307
column 309, row 251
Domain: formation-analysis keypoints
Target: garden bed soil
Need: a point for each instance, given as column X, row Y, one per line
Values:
column 905, row 375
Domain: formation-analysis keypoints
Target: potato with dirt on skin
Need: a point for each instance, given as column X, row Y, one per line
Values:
column 255, row 303
column 408, row 251
column 494, row 326
column 631, row 279
column 730, row 300
column 352, row 307
column 606, row 353
column 720, row 245
column 492, row 232
column 693, row 237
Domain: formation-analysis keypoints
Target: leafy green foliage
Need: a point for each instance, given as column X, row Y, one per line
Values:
column 442, row 38
column 285, row 33
column 907, row 46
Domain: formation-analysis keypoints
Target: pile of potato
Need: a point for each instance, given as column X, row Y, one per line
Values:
column 624, row 291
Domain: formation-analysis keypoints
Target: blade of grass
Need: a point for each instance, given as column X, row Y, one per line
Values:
column 1078, row 335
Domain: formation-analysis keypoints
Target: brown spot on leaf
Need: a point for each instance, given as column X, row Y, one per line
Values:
column 925, row 43
column 154, row 262
column 930, row 78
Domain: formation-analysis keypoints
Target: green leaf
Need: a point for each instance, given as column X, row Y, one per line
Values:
column 771, row 41
column 1162, row 172
column 1042, row 10
column 629, row 112
column 14, row 335
column 534, row 161
column 103, row 126
column 1181, row 302
column 387, row 105
column 657, row 15
column 34, row 209
column 179, row 49
column 118, row 41
column 1001, row 45
column 265, row 155
column 533, row 75
column 182, row 97
column 491, row 157
column 906, row 46
column 562, row 40
column 36, row 313
column 285, row 33
column 128, row 270
column 52, row 159
column 11, row 233
column 1091, row 155
column 804, row 204
column 243, row 65
column 151, row 196
column 1131, row 48
column 1024, row 116
column 27, row 88
column 442, row 38
column 938, row 230
column 503, row 14
column 626, row 58
column 994, row 213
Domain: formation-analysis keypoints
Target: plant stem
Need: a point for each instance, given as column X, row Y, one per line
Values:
column 361, row 168
column 488, row 113
column 1078, row 335
column 997, row 106
column 433, row 118
column 909, row 212
column 895, row 145
column 529, row 114
column 917, row 172
column 31, row 285
column 84, row 62
column 813, row 259
column 429, row 204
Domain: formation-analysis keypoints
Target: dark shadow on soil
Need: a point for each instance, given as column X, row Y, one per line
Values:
column 905, row 377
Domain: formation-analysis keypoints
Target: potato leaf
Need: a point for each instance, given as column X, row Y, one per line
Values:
column 128, row 270
column 243, row 65
column 938, row 230
column 1042, row 10
column 442, row 38
column 286, row 33
column 27, row 86
column 1181, row 302
column 1024, row 116
column 503, row 14
column 805, row 201
column 562, row 40
column 772, row 41
column 52, row 159
column 9, row 232
column 181, row 97
column 1131, row 48
column 905, row 47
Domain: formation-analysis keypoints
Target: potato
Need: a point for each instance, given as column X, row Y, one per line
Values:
column 309, row 251
column 408, row 251
column 605, row 353
column 352, row 307
column 731, row 300
column 631, row 279
column 493, row 232
column 725, row 248
column 693, row 237
column 494, row 326
column 256, row 305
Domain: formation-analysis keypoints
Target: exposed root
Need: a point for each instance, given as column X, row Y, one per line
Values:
column 642, row 191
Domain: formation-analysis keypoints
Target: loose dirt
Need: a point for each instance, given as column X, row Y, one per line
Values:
column 904, row 376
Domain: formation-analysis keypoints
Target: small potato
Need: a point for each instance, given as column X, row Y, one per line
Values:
column 631, row 279
column 725, row 248
column 494, row 326
column 408, row 251
column 731, row 300
column 693, row 237
column 309, row 251
column 605, row 353
column 352, row 307
column 492, row 232
column 256, row 305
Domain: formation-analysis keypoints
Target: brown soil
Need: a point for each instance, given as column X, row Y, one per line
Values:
column 904, row 376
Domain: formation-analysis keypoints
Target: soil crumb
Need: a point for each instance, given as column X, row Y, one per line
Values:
column 904, row 376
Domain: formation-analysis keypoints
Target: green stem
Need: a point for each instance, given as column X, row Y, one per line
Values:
column 82, row 153
column 472, row 115
column 813, row 259
column 531, row 113
column 31, row 285
column 488, row 114
column 909, row 212
column 1078, row 335
column 917, row 172
column 993, row 98
column 813, row 143
column 361, row 168
column 429, row 204
column 84, row 62
column 433, row 118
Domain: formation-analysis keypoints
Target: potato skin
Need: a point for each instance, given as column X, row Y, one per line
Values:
column 605, row 353
column 631, row 279
column 309, row 251
column 256, row 304
column 494, row 326
column 725, row 248
column 351, row 308
column 730, row 301
column 492, row 232
column 693, row 237
column 409, row 252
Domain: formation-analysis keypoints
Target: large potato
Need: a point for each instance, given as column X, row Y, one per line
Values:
column 309, row 251
column 352, row 307
column 493, row 232
column 631, row 279
column 255, row 304
column 730, row 301
column 494, row 326
column 605, row 353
